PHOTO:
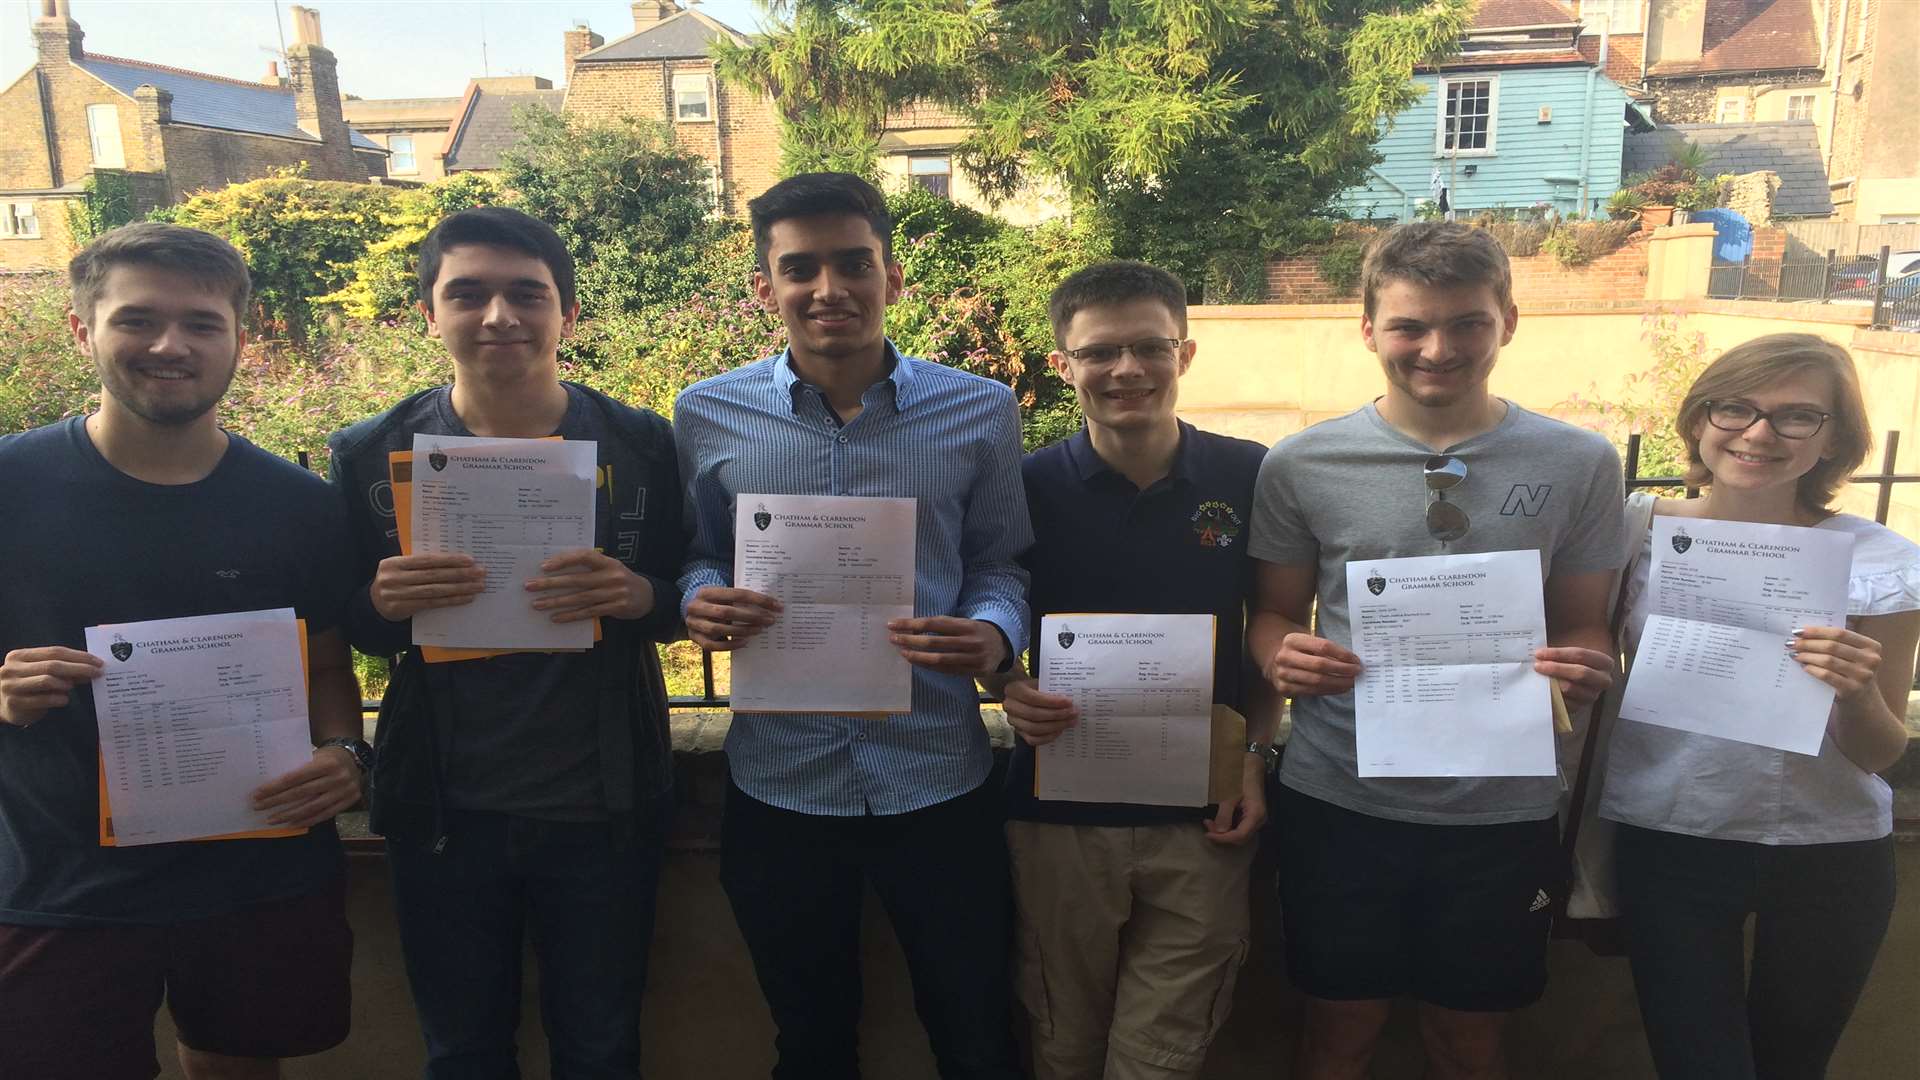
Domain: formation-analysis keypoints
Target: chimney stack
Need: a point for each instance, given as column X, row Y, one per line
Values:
column 56, row 35
column 314, row 77
column 272, row 77
column 648, row 14
column 578, row 40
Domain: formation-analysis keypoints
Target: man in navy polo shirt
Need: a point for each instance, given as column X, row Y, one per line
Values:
column 1133, row 918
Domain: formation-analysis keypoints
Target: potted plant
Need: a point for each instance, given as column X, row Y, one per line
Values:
column 1625, row 204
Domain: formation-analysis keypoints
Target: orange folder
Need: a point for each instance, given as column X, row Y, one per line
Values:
column 400, row 474
column 106, row 811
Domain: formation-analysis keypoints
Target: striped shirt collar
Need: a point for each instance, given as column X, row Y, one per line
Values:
column 900, row 375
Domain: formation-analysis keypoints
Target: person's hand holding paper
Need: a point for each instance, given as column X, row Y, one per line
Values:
column 32, row 681
column 585, row 584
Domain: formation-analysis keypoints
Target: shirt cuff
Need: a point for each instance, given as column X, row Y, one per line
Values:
column 1009, row 620
column 693, row 581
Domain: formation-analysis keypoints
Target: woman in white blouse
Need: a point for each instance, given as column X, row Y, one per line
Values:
column 1713, row 831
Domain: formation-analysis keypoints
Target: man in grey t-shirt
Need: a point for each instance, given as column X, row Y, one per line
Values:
column 1435, row 888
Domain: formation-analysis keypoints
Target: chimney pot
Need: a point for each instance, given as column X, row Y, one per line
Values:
column 650, row 13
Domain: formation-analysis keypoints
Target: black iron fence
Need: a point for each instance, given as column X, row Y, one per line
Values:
column 1886, row 287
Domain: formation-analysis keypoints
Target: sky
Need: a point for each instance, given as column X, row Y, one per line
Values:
column 386, row 48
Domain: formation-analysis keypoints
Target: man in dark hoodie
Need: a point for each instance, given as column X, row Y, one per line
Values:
column 522, row 793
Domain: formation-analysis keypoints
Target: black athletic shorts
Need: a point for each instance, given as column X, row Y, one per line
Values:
column 1454, row 915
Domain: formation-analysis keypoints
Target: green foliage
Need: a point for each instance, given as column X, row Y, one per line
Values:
column 106, row 204
column 300, row 237
column 1340, row 264
column 630, row 204
column 1625, row 204
column 1207, row 131
column 1577, row 243
column 43, row 376
column 1652, row 398
column 382, row 282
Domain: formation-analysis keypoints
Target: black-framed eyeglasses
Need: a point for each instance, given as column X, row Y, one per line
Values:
column 1153, row 350
column 1446, row 522
column 1786, row 423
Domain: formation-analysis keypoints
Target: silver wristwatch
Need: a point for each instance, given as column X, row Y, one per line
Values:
column 1268, row 754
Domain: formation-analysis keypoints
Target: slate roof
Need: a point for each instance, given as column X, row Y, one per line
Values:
column 1780, row 38
column 211, row 101
column 1790, row 148
column 1497, row 13
column 486, row 131
column 686, row 36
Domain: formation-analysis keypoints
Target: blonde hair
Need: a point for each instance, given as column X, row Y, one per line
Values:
column 1752, row 365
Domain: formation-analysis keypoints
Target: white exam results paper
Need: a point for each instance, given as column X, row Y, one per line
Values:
column 509, row 503
column 1447, row 686
column 1723, row 596
column 194, row 714
column 1144, row 688
column 842, row 566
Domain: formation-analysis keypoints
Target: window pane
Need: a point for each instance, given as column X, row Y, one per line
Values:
column 690, row 97
column 103, row 131
column 1469, row 116
column 940, row 184
column 402, row 161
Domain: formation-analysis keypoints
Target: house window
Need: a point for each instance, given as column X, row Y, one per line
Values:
column 1466, row 121
column 1733, row 110
column 19, row 221
column 692, row 97
column 103, row 129
column 1620, row 16
column 934, row 174
column 400, row 147
column 1800, row 107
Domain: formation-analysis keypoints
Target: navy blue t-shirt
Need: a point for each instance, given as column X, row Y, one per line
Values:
column 1103, row 545
column 87, row 544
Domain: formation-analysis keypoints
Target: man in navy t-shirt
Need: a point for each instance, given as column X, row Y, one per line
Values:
column 143, row 510
column 1133, row 917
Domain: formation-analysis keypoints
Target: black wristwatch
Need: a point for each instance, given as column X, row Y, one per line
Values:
column 1268, row 754
column 362, row 752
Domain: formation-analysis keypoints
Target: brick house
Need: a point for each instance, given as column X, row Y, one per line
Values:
column 483, row 121
column 413, row 130
column 171, row 132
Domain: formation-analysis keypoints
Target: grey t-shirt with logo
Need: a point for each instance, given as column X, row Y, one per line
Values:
column 1353, row 488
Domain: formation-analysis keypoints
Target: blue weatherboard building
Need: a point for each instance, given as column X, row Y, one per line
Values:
column 1520, row 119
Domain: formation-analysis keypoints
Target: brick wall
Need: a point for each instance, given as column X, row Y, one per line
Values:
column 23, row 153
column 1539, row 281
column 1850, row 113
column 198, row 158
column 50, row 250
column 1623, row 55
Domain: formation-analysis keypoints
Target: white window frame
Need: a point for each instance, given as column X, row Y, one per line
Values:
column 103, row 136
column 19, row 221
column 931, row 165
column 1440, row 149
column 688, row 83
column 1625, row 16
column 1737, row 104
column 395, row 155
column 1812, row 100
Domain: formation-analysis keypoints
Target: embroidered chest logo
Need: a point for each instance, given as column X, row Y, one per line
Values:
column 1376, row 584
column 1526, row 499
column 1681, row 541
column 121, row 648
column 1066, row 637
column 1215, row 524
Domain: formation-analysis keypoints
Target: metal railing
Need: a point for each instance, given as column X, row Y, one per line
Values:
column 1861, row 280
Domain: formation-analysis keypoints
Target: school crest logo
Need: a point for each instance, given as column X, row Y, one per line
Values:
column 762, row 519
column 1681, row 541
column 1066, row 637
column 438, row 460
column 1215, row 524
column 1376, row 584
column 121, row 648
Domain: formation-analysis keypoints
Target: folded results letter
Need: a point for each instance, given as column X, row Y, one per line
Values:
column 1144, row 688
column 509, row 503
column 194, row 714
column 1447, row 686
column 842, row 566
column 1724, row 595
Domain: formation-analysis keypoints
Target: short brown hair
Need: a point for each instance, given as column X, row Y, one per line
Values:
column 1748, row 367
column 200, row 255
column 1105, row 284
column 1442, row 253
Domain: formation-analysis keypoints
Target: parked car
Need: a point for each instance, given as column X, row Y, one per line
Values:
column 1854, row 277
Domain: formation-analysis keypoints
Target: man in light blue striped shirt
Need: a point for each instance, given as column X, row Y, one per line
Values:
column 818, row 804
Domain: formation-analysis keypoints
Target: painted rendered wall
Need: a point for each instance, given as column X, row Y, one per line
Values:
column 1525, row 151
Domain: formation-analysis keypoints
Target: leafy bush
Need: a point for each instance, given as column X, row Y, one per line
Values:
column 1576, row 243
column 1625, row 204
column 107, row 203
column 43, row 376
column 1652, row 398
column 1340, row 264
column 300, row 237
column 381, row 282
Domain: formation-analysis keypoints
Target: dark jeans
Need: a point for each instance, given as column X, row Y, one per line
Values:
column 941, row 873
column 589, row 910
column 1820, row 912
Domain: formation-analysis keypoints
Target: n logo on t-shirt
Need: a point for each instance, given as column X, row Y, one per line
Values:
column 1526, row 499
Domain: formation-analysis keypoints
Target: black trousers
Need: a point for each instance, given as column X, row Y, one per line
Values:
column 795, row 883
column 1820, row 912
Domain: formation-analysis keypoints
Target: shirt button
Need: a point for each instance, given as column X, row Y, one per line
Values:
column 843, row 438
column 860, row 736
